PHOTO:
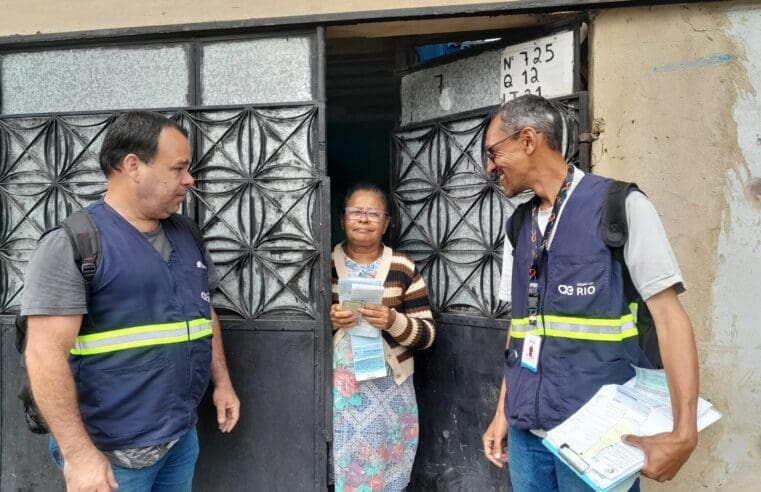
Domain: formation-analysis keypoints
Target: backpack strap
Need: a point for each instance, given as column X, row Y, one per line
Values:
column 515, row 222
column 187, row 224
column 614, row 228
column 85, row 237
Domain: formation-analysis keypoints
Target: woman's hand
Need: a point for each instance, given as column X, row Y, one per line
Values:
column 378, row 315
column 341, row 318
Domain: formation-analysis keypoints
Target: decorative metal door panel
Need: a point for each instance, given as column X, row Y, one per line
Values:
column 47, row 171
column 258, row 183
column 261, row 199
column 449, row 215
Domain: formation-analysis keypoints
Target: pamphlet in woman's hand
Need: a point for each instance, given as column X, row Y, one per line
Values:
column 356, row 292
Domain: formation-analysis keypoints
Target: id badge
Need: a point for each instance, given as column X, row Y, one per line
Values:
column 532, row 344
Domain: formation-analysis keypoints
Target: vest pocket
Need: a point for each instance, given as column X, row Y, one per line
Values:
column 132, row 400
column 578, row 285
column 200, row 369
column 513, row 381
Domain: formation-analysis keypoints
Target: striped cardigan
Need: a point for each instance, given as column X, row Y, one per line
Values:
column 405, row 291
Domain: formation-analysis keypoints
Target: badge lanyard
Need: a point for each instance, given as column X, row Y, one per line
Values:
column 538, row 248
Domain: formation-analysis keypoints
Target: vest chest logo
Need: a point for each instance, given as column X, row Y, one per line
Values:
column 205, row 296
column 580, row 289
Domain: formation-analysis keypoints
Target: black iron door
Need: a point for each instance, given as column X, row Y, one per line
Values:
column 449, row 216
column 261, row 199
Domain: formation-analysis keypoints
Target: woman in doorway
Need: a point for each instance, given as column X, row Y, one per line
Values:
column 375, row 422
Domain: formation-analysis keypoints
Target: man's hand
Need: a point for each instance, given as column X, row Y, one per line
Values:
column 88, row 471
column 495, row 440
column 225, row 399
column 378, row 315
column 341, row 318
column 228, row 407
column 665, row 453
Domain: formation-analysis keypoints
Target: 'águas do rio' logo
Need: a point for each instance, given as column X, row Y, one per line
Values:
column 580, row 289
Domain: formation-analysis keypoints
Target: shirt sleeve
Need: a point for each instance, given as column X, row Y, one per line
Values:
column 414, row 326
column 53, row 285
column 651, row 261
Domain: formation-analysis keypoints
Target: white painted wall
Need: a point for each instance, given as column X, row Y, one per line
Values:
column 736, row 338
column 676, row 91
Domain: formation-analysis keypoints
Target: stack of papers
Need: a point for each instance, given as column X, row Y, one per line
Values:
column 369, row 360
column 366, row 340
column 589, row 441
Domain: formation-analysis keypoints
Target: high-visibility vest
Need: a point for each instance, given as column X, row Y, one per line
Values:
column 589, row 334
column 141, row 361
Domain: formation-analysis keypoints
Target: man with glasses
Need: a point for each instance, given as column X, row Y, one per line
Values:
column 561, row 267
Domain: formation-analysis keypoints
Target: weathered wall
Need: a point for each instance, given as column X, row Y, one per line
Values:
column 45, row 16
column 677, row 91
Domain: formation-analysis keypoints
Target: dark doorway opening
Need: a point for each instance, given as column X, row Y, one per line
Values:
column 361, row 96
column 447, row 213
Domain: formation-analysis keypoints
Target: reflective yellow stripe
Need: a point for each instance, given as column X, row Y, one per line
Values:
column 142, row 336
column 579, row 321
column 600, row 337
column 200, row 334
column 135, row 330
column 128, row 345
column 607, row 330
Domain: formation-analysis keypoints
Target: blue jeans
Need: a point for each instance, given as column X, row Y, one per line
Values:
column 172, row 473
column 533, row 468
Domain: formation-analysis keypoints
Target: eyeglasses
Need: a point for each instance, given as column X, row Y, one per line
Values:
column 353, row 213
column 488, row 152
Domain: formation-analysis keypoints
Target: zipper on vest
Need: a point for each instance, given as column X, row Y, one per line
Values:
column 188, row 351
column 537, row 411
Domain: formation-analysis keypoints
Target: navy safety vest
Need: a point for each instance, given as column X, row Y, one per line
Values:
column 589, row 334
column 142, row 359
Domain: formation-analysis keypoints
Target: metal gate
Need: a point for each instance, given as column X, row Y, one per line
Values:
column 254, row 108
column 449, row 216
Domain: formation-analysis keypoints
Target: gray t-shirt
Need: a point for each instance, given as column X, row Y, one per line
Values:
column 54, row 286
column 647, row 252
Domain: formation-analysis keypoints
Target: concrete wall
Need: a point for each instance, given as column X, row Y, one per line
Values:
column 46, row 16
column 677, row 93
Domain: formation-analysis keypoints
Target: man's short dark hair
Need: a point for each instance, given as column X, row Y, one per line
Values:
column 134, row 132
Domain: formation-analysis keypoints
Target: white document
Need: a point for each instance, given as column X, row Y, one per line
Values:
column 589, row 441
column 369, row 358
column 366, row 340
column 364, row 291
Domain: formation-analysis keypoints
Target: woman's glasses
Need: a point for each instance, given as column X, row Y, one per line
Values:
column 354, row 213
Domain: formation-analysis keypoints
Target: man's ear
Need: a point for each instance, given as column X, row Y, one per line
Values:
column 529, row 140
column 131, row 166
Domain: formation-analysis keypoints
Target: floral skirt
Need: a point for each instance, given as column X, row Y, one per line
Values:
column 375, row 428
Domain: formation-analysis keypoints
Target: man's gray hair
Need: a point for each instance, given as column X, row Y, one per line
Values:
column 536, row 112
